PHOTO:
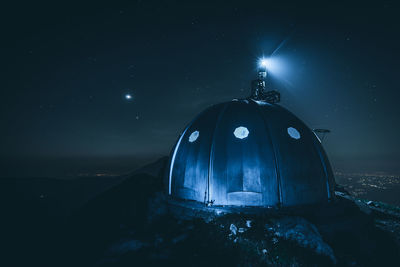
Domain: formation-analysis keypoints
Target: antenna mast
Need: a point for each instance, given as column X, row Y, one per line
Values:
column 258, row 86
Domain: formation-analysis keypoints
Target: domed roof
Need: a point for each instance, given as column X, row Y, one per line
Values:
column 249, row 153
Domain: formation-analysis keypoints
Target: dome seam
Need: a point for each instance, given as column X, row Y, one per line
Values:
column 276, row 163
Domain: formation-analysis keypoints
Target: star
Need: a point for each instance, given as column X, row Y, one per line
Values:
column 128, row 97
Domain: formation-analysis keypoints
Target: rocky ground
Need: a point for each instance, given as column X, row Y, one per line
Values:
column 132, row 225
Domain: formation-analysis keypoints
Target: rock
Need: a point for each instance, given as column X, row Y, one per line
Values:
column 248, row 223
column 157, row 207
column 363, row 207
column 158, row 241
column 233, row 229
column 264, row 251
column 303, row 233
column 126, row 246
column 278, row 234
column 179, row 238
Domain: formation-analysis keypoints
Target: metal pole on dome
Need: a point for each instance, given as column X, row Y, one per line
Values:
column 321, row 133
column 258, row 86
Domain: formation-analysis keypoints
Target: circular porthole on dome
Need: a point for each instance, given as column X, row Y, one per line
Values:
column 241, row 132
column 293, row 133
column 193, row 137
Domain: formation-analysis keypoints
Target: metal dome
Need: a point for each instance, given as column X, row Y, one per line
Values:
column 249, row 153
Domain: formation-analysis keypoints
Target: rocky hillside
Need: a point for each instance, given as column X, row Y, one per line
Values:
column 132, row 225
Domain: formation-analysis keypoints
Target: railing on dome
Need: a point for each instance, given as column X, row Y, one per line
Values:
column 258, row 88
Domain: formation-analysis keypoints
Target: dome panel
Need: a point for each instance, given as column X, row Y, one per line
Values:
column 189, row 167
column 301, row 173
column 242, row 165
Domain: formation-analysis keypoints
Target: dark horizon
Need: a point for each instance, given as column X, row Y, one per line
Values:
column 75, row 167
column 69, row 69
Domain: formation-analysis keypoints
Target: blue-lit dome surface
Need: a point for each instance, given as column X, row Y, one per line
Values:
column 249, row 153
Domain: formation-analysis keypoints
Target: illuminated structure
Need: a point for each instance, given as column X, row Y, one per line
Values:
column 249, row 152
column 258, row 86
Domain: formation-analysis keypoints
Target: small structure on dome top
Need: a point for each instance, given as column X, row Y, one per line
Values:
column 258, row 86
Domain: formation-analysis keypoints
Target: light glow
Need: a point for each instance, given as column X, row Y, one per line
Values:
column 274, row 65
column 263, row 62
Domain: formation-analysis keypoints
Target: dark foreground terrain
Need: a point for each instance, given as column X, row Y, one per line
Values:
column 130, row 224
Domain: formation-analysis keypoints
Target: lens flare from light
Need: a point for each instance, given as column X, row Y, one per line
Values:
column 274, row 65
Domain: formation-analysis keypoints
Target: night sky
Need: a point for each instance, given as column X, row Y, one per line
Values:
column 67, row 69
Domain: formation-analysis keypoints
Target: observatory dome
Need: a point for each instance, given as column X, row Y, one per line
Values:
column 249, row 153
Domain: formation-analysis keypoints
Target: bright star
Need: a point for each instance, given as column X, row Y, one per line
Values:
column 128, row 96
